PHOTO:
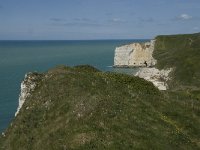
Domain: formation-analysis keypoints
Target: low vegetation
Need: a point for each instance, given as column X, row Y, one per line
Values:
column 183, row 53
column 83, row 108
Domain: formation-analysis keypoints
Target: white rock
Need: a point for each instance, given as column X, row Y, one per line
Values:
column 135, row 55
column 158, row 77
column 27, row 86
column 140, row 55
column 3, row 134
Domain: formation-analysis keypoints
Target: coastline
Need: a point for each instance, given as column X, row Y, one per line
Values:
column 140, row 55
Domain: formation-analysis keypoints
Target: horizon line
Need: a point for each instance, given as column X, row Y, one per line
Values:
column 76, row 39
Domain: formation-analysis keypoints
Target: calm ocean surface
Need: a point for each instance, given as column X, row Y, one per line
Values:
column 20, row 57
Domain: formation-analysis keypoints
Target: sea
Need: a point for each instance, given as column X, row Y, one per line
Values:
column 19, row 57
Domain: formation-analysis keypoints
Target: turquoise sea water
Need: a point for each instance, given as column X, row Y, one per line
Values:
column 20, row 57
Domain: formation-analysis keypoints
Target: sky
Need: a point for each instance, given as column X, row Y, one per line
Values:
column 96, row 19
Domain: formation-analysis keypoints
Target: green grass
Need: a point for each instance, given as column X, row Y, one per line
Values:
column 182, row 52
column 82, row 108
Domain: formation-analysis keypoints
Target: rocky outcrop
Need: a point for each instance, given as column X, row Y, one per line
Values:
column 135, row 55
column 158, row 77
column 140, row 55
column 27, row 86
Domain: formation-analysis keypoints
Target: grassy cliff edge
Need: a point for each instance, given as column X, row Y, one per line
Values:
column 83, row 108
column 182, row 52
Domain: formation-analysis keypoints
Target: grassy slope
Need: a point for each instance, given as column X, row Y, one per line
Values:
column 183, row 53
column 82, row 108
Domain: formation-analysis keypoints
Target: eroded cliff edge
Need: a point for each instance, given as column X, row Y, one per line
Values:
column 28, row 85
column 141, row 55
column 83, row 108
column 135, row 55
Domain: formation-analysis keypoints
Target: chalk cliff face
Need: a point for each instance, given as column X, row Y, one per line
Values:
column 158, row 77
column 135, row 55
column 140, row 55
column 27, row 86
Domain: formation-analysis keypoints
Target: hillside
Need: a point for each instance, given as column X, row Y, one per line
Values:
column 182, row 52
column 83, row 108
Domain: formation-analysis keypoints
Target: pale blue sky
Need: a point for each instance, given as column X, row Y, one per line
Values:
column 96, row 19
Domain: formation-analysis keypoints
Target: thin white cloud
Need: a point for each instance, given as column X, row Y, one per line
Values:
column 116, row 20
column 184, row 17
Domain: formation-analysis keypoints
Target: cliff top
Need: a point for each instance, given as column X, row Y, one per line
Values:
column 83, row 108
column 181, row 52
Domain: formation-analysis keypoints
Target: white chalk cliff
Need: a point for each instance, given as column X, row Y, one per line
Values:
column 141, row 55
column 158, row 77
column 27, row 86
column 135, row 55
